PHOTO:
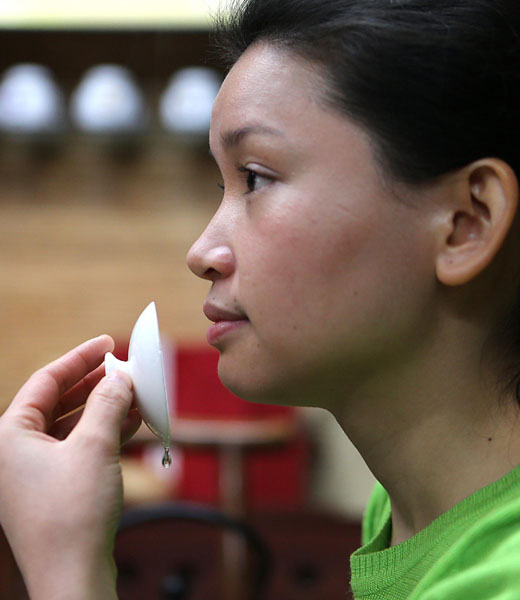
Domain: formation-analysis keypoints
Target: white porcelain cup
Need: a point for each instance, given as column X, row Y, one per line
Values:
column 146, row 368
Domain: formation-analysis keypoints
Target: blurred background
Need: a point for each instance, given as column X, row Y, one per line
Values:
column 105, row 181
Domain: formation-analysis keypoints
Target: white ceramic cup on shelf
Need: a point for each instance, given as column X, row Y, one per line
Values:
column 108, row 101
column 31, row 102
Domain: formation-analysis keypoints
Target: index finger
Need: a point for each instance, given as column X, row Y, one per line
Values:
column 34, row 405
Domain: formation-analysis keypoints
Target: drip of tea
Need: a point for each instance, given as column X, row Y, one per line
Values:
column 167, row 458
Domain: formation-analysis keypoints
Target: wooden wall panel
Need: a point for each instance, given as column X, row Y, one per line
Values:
column 86, row 243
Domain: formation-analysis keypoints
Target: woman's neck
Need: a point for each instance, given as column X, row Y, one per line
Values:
column 432, row 433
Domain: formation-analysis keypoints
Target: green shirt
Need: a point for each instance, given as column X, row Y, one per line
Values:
column 471, row 552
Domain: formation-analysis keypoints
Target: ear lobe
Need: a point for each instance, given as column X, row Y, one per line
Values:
column 484, row 205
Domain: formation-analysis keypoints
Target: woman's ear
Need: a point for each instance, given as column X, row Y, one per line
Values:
column 482, row 206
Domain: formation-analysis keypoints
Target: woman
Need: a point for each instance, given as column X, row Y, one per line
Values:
column 363, row 259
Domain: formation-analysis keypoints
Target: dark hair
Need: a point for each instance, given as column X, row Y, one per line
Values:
column 435, row 83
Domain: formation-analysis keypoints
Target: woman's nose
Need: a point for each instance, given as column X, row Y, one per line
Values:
column 209, row 261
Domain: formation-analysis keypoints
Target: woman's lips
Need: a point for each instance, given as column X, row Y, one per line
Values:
column 225, row 322
column 221, row 328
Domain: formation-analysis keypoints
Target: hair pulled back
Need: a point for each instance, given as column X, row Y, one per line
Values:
column 435, row 82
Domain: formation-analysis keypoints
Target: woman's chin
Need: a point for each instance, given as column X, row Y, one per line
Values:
column 248, row 390
column 255, row 385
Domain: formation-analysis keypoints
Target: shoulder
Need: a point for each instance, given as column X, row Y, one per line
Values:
column 484, row 564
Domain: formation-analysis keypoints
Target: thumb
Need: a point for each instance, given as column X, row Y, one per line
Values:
column 105, row 411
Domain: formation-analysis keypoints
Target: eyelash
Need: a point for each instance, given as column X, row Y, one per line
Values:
column 250, row 177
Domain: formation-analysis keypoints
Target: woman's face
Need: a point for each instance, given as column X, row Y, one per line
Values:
column 320, row 275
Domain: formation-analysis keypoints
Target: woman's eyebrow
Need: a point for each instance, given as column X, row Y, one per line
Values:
column 235, row 136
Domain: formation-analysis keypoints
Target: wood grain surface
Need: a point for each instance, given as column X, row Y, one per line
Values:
column 88, row 240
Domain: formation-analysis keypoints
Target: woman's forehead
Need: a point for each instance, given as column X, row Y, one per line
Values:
column 278, row 98
column 266, row 86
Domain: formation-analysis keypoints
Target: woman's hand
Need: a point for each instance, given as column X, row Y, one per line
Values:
column 60, row 478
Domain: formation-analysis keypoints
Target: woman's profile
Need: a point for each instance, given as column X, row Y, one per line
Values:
column 364, row 259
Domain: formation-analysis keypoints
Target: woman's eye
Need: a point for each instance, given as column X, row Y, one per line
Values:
column 251, row 181
column 254, row 181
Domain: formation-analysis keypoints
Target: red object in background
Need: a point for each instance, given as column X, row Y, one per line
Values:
column 274, row 476
column 200, row 394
